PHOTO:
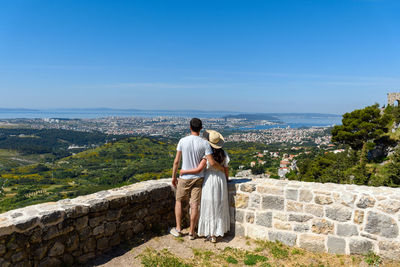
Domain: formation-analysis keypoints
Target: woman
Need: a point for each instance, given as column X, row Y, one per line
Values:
column 214, row 209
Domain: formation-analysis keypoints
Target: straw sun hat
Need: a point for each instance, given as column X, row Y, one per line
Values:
column 215, row 139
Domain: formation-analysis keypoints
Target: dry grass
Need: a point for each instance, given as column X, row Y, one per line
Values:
column 264, row 254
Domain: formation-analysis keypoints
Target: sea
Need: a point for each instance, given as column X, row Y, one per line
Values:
column 292, row 120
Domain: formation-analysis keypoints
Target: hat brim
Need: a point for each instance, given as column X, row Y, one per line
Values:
column 220, row 144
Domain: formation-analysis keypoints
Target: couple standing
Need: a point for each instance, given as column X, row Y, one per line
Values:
column 203, row 180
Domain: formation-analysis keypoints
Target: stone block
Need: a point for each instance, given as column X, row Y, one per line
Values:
column 336, row 245
column 358, row 216
column 299, row 217
column 255, row 201
column 35, row 235
column 315, row 210
column 286, row 238
column 50, row 262
column 322, row 226
column 110, row 228
column 81, row 222
column 294, row 206
column 98, row 230
column 270, row 190
column 3, row 249
column 4, row 263
column 56, row 250
column 346, row 230
column 125, row 226
column 250, row 217
column 40, row 252
column 241, row 201
column 114, row 240
column 50, row 232
column 301, row 228
column 305, row 195
column 348, row 199
column 381, row 224
column 93, row 222
column 51, row 217
column 322, row 192
column 102, row 243
column 280, row 216
column 248, row 187
column 75, row 210
column 256, row 232
column 113, row 215
column 273, row 202
column 117, row 201
column 314, row 243
column 282, row 225
column 369, row 236
column 360, row 246
column 97, row 205
column 323, row 200
column 338, row 213
column 292, row 194
column 365, row 201
column 238, row 229
column 264, row 219
column 68, row 260
column 389, row 249
column 17, row 256
column 389, row 206
column 86, row 257
column 138, row 227
column 89, row 245
column 26, row 223
column 239, row 216
column 72, row 242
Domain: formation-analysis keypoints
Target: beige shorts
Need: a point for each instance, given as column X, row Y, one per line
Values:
column 189, row 189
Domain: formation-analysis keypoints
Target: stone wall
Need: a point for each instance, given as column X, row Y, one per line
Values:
column 73, row 231
column 342, row 219
column 393, row 97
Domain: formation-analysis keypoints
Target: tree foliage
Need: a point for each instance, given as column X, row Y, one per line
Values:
column 360, row 126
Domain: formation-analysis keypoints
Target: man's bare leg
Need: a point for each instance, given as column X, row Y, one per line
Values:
column 194, row 217
column 178, row 215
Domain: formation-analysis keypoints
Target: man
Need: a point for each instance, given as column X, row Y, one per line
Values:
column 192, row 149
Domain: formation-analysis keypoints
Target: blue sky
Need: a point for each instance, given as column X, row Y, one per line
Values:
column 254, row 56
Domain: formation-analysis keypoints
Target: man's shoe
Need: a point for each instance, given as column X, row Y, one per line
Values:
column 175, row 232
column 192, row 237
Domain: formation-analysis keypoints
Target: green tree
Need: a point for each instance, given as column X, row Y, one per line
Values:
column 258, row 169
column 394, row 170
column 360, row 128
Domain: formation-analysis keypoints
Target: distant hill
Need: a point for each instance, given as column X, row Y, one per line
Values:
column 280, row 117
column 255, row 117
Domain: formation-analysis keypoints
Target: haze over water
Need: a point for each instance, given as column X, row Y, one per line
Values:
column 293, row 120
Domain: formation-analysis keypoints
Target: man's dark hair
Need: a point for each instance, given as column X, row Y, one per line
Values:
column 196, row 125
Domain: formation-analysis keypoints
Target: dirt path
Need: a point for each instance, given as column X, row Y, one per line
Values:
column 181, row 247
column 273, row 254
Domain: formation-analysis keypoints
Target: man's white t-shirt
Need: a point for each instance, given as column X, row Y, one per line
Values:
column 194, row 149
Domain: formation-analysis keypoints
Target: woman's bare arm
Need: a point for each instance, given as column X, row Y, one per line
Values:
column 226, row 170
column 199, row 168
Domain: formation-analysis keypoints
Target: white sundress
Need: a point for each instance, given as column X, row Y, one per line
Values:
column 214, row 209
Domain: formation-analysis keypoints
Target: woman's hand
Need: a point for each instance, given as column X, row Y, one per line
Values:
column 182, row 172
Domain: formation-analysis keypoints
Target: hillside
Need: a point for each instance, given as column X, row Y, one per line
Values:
column 111, row 165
